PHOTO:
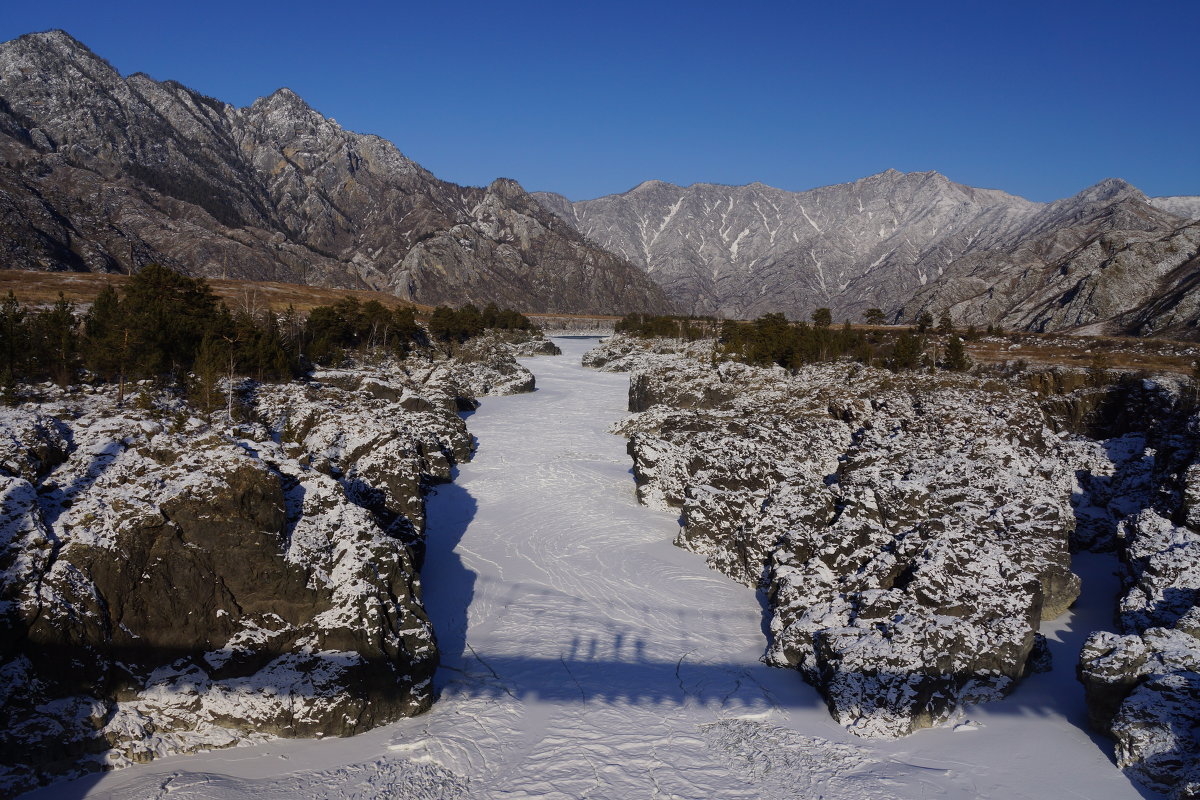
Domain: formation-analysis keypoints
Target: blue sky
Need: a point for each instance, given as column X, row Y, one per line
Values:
column 1037, row 98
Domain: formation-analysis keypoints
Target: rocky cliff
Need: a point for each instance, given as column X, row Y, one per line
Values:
column 871, row 507
column 105, row 173
column 913, row 529
column 1141, row 677
column 169, row 584
column 905, row 243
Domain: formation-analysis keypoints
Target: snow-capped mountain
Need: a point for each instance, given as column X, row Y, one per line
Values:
column 102, row 172
column 901, row 242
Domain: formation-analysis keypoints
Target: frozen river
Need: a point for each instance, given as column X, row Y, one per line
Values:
column 585, row 656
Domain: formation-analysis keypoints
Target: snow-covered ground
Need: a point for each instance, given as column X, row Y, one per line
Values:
column 586, row 656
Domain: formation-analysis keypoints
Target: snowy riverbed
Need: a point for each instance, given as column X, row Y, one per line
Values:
column 585, row 656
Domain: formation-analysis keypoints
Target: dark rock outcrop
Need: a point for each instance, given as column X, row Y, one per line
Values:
column 1139, row 498
column 168, row 585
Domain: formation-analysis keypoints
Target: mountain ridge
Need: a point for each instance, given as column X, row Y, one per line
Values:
column 894, row 240
column 100, row 172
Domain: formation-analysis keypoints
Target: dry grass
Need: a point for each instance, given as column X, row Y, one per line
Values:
column 83, row 287
column 1122, row 354
column 601, row 317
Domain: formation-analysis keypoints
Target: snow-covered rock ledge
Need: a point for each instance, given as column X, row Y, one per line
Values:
column 1142, row 678
column 913, row 530
column 169, row 585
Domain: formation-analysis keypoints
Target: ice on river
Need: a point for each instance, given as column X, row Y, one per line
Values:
column 585, row 656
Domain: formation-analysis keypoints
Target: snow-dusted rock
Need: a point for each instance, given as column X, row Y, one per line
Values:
column 485, row 365
column 1136, row 494
column 913, row 531
column 535, row 343
column 1143, row 687
column 168, row 585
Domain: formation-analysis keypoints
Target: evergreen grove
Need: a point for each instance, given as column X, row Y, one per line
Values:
column 773, row 339
column 173, row 329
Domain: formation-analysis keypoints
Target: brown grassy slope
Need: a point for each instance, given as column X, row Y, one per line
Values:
column 1118, row 353
column 82, row 287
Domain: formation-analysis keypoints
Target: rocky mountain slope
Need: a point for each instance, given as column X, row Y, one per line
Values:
column 169, row 584
column 913, row 530
column 1181, row 206
column 901, row 242
column 102, row 172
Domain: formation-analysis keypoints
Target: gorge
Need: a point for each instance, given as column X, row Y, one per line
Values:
column 583, row 653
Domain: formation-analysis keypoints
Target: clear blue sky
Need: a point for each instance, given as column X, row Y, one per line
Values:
column 1037, row 98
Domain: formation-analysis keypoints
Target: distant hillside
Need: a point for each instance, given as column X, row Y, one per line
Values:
column 101, row 173
column 909, row 243
column 82, row 287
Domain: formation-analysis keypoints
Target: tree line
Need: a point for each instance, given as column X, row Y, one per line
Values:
column 772, row 339
column 658, row 326
column 173, row 329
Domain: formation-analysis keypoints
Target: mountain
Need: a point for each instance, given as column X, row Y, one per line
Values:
column 1180, row 206
column 745, row 250
column 101, row 172
column 905, row 243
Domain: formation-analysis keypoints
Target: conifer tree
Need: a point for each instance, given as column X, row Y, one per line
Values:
column 57, row 341
column 956, row 355
column 945, row 323
column 14, row 342
column 906, row 351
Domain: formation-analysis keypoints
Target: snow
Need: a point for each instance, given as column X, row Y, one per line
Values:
column 810, row 220
column 584, row 655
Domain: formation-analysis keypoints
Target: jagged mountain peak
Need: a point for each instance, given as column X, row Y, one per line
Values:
column 1110, row 190
column 890, row 174
column 55, row 39
column 744, row 251
column 283, row 97
column 506, row 187
column 650, row 186
column 110, row 173
column 284, row 102
column 53, row 52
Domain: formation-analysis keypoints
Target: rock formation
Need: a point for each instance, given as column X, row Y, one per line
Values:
column 170, row 584
column 872, row 508
column 1142, row 678
column 107, row 173
column 913, row 528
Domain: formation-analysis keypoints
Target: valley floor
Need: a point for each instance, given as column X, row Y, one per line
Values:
column 586, row 656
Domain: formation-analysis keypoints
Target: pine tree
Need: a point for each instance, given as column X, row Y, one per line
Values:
column 906, row 351
column 945, row 323
column 14, row 344
column 956, row 355
column 209, row 365
column 57, row 341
